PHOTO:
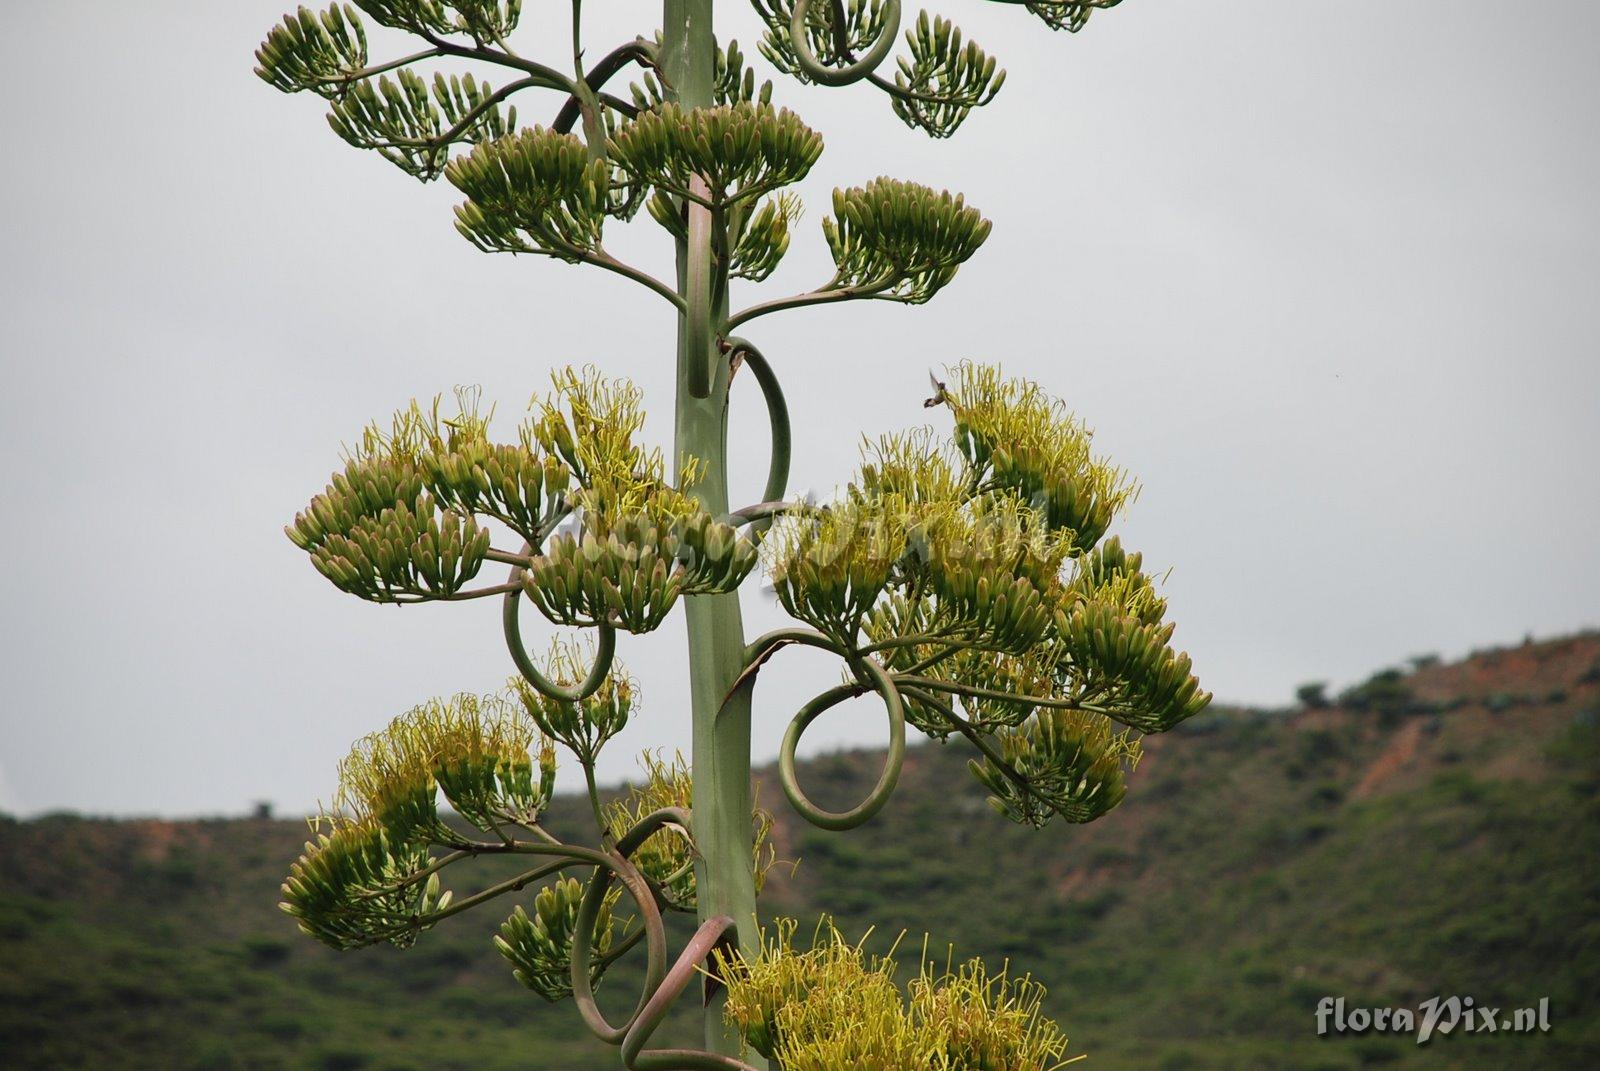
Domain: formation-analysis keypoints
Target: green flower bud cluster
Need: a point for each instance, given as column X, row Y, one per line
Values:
column 376, row 534
column 713, row 557
column 540, row 947
column 1016, row 676
column 916, row 465
column 642, row 543
column 832, row 1006
column 740, row 151
column 902, row 237
column 487, row 21
column 413, row 128
column 507, row 482
column 584, row 726
column 586, row 580
column 365, row 488
column 1073, row 763
column 1108, row 573
column 993, row 573
column 944, row 79
column 763, row 239
column 983, row 564
column 624, row 197
column 316, row 51
column 480, row 757
column 356, row 886
column 1129, row 667
column 416, row 16
column 632, row 575
column 1069, row 15
column 828, row 567
column 536, row 183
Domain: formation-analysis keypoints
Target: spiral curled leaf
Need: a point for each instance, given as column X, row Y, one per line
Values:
column 1069, row 15
column 540, row 946
column 1127, row 666
column 319, row 51
column 584, row 726
column 666, row 858
column 943, row 79
column 1072, row 762
column 740, row 151
column 414, row 128
column 764, row 238
column 865, row 23
column 533, row 191
column 901, row 237
column 357, row 886
column 1016, row 437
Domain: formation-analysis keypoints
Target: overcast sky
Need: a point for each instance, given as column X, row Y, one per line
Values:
column 1323, row 276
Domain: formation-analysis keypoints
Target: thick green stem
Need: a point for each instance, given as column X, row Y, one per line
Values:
column 724, row 873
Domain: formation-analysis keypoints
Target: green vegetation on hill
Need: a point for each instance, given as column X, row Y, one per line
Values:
column 1432, row 832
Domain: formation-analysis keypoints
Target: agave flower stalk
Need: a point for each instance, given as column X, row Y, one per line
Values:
column 967, row 582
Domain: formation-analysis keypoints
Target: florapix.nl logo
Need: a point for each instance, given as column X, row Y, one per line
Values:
column 1436, row 1016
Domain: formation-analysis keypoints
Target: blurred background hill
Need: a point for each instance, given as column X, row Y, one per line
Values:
column 1431, row 831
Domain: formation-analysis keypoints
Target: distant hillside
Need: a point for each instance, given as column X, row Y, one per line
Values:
column 1430, row 832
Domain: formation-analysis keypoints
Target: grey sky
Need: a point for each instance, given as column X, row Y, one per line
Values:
column 1323, row 276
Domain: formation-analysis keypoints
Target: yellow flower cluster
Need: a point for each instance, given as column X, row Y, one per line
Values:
column 478, row 749
column 833, row 1006
column 1016, row 437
